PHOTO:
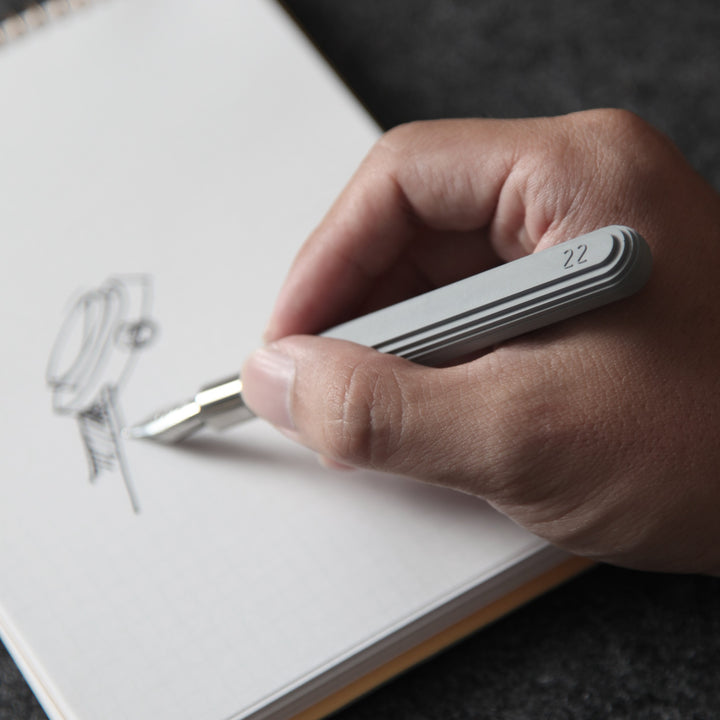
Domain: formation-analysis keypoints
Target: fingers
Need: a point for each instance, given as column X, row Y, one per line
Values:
column 492, row 427
column 437, row 201
column 418, row 181
column 593, row 434
column 362, row 408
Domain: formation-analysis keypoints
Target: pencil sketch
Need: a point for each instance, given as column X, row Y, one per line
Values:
column 92, row 358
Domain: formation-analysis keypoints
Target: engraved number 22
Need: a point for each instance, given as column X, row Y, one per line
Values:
column 571, row 259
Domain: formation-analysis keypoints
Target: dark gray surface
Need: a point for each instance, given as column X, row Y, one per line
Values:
column 419, row 59
column 614, row 643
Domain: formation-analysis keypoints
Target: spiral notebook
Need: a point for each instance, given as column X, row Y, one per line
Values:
column 162, row 161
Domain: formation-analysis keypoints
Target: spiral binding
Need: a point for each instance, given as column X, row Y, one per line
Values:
column 35, row 15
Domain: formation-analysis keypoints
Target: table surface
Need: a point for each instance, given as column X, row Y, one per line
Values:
column 612, row 643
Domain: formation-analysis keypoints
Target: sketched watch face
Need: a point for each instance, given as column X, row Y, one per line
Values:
column 91, row 360
column 96, row 342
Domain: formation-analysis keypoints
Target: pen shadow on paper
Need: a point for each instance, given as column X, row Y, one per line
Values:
column 235, row 449
column 432, row 498
column 93, row 356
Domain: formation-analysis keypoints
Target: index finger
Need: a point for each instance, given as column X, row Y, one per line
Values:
column 418, row 180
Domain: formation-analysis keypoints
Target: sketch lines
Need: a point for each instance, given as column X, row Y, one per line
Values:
column 94, row 354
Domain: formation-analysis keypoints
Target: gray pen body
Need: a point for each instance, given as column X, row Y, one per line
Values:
column 454, row 321
column 509, row 300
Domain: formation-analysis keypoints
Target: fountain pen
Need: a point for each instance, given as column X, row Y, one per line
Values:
column 457, row 320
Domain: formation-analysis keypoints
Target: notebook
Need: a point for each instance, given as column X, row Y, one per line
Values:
column 162, row 161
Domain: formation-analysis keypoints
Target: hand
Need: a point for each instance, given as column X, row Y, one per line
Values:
column 602, row 433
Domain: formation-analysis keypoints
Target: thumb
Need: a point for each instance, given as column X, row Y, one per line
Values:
column 360, row 407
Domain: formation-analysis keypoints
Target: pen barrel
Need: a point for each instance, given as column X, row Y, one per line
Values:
column 458, row 320
column 555, row 284
column 221, row 404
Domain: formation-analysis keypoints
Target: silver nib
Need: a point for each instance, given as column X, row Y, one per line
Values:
column 170, row 426
column 218, row 406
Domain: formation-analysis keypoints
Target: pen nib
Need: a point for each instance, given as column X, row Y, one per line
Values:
column 170, row 426
column 219, row 405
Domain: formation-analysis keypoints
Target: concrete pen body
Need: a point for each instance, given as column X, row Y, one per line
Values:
column 457, row 320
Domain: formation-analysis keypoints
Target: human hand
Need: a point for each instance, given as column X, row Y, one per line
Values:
column 600, row 433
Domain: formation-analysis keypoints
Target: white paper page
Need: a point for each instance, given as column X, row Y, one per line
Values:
column 160, row 164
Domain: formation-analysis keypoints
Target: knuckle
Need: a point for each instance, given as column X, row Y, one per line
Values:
column 400, row 137
column 632, row 142
column 390, row 147
column 365, row 417
column 616, row 119
column 401, row 145
column 596, row 166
